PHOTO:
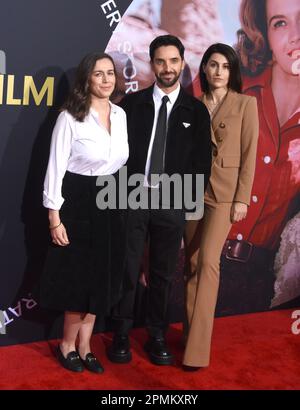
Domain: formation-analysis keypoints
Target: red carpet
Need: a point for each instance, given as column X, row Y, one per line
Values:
column 256, row 351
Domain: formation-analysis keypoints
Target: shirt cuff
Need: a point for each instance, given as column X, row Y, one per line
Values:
column 52, row 204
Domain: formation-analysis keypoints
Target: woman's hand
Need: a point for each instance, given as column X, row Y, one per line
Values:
column 57, row 230
column 238, row 211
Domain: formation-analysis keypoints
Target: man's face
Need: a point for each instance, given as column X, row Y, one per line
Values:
column 167, row 66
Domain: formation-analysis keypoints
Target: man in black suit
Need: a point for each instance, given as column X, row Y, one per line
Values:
column 168, row 133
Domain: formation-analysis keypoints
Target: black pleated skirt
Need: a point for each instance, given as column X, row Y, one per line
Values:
column 86, row 275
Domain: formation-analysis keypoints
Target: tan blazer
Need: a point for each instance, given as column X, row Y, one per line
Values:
column 234, row 137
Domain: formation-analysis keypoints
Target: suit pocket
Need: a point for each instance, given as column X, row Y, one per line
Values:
column 231, row 162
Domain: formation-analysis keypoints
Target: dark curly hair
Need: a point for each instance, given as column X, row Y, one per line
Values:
column 79, row 100
column 253, row 46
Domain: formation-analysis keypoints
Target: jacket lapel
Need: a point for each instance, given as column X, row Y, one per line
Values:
column 224, row 109
column 213, row 138
column 147, row 114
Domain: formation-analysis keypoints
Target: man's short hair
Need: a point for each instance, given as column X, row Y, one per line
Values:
column 166, row 40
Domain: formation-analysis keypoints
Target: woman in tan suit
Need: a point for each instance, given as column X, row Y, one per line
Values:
column 234, row 138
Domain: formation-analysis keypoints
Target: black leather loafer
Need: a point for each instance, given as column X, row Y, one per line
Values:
column 158, row 351
column 71, row 362
column 92, row 363
column 187, row 368
column 119, row 351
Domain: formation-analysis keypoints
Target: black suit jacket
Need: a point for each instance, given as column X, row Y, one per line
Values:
column 188, row 143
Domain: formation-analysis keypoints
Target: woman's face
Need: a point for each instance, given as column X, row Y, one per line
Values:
column 103, row 79
column 217, row 71
column 283, row 20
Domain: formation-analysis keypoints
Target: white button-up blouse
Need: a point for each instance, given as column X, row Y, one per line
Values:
column 84, row 148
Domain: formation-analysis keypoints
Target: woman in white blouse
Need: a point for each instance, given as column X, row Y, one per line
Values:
column 83, row 270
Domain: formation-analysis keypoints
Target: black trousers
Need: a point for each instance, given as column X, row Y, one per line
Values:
column 164, row 230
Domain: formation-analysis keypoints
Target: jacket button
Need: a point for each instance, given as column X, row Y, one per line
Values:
column 222, row 125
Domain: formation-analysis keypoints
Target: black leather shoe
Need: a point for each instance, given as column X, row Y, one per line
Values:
column 187, row 368
column 119, row 351
column 71, row 362
column 158, row 351
column 92, row 363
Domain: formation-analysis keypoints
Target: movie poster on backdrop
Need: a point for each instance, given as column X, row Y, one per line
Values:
column 260, row 265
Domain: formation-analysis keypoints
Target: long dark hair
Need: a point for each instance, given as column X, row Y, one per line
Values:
column 253, row 45
column 79, row 100
column 235, row 78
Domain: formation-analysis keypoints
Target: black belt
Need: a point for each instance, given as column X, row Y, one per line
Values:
column 242, row 251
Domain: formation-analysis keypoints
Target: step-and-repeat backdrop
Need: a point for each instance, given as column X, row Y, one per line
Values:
column 42, row 42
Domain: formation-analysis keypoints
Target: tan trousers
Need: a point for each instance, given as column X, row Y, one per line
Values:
column 204, row 243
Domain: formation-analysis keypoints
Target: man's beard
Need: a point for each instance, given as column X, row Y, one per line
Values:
column 167, row 84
